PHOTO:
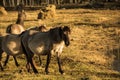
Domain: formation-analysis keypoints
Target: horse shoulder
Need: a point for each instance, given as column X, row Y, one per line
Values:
column 58, row 47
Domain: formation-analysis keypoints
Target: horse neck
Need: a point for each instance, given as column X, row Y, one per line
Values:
column 20, row 21
column 55, row 36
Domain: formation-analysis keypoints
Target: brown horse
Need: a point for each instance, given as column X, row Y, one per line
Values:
column 11, row 44
column 46, row 43
column 17, row 28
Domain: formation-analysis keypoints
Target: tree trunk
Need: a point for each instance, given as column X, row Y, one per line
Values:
column 13, row 3
column 9, row 3
column 4, row 3
column 58, row 1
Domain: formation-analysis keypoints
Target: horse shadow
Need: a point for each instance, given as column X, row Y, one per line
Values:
column 116, row 63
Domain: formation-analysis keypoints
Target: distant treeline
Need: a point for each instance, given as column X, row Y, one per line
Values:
column 37, row 3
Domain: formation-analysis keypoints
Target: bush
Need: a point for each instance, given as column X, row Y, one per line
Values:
column 47, row 13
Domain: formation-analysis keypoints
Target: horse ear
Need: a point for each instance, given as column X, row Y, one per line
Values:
column 66, row 28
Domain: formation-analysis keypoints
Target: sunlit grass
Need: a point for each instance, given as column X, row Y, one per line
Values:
column 90, row 55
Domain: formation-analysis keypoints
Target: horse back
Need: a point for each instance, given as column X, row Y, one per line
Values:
column 15, row 29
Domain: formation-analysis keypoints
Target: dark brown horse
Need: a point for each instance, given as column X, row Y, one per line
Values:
column 45, row 43
column 11, row 44
column 1, row 51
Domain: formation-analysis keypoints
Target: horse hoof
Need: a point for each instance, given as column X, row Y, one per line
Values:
column 17, row 65
column 4, row 65
column 20, row 71
column 2, row 69
column 47, row 72
column 36, row 72
column 62, row 72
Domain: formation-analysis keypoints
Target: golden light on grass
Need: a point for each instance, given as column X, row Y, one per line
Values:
column 94, row 47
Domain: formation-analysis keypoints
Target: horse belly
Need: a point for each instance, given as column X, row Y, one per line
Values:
column 14, row 48
column 36, row 48
column 39, row 48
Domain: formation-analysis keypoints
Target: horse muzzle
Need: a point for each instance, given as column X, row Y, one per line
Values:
column 67, row 43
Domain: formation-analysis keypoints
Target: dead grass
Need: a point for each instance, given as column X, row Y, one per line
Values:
column 92, row 54
column 3, row 11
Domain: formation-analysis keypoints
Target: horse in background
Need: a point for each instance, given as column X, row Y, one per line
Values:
column 18, row 27
column 45, row 43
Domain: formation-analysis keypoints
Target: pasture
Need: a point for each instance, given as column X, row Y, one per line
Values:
column 94, row 52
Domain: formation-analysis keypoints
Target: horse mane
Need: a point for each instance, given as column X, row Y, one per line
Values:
column 56, row 34
column 38, row 28
column 21, row 17
column 19, row 20
column 66, row 28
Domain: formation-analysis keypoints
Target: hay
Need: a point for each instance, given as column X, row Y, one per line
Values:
column 51, row 11
column 48, row 13
column 3, row 11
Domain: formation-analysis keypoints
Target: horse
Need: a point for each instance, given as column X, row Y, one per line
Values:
column 1, row 52
column 11, row 44
column 17, row 28
column 46, row 43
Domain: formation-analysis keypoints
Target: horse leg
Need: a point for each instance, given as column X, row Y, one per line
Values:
column 6, row 61
column 32, row 65
column 30, row 61
column 27, row 65
column 29, row 56
column 59, row 64
column 40, row 60
column 16, row 63
column 1, row 60
column 47, row 63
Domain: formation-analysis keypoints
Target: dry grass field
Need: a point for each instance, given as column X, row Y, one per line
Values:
column 94, row 52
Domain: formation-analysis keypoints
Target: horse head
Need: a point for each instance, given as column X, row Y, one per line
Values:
column 64, row 32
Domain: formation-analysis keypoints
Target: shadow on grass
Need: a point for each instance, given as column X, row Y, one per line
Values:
column 116, row 63
column 11, row 21
column 104, row 24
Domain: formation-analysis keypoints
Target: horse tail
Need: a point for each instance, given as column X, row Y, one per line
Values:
column 22, row 44
column 8, row 30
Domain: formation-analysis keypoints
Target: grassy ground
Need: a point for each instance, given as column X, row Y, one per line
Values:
column 93, row 53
